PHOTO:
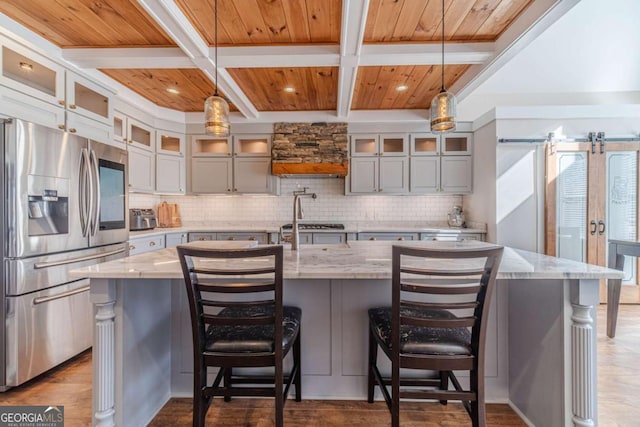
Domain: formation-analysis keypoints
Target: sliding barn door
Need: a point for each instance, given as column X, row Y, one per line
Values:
column 591, row 197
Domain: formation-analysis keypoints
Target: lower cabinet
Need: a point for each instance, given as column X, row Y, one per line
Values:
column 452, row 237
column 260, row 237
column 175, row 239
column 329, row 238
column 388, row 236
column 140, row 245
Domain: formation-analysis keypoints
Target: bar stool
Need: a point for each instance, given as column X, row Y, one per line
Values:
column 437, row 322
column 235, row 325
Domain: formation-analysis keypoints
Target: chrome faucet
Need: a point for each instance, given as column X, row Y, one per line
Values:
column 298, row 213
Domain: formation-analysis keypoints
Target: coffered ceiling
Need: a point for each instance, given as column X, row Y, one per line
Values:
column 288, row 55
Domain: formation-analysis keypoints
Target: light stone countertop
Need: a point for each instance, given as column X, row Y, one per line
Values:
column 349, row 227
column 355, row 260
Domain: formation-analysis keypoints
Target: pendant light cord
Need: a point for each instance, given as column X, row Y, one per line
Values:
column 216, row 43
column 442, row 89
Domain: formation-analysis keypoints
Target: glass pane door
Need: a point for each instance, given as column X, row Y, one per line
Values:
column 571, row 206
column 622, row 203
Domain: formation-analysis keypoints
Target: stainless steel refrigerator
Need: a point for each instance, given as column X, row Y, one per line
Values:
column 64, row 206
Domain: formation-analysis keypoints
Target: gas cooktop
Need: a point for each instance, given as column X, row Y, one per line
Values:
column 315, row 226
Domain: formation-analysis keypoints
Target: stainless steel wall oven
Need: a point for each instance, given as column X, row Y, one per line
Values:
column 65, row 206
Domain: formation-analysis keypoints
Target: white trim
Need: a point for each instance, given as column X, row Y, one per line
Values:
column 421, row 54
column 568, row 112
column 162, row 57
column 277, row 56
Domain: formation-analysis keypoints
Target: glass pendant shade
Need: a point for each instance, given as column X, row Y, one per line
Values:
column 216, row 116
column 443, row 112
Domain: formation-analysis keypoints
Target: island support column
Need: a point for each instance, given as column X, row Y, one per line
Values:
column 584, row 297
column 103, row 296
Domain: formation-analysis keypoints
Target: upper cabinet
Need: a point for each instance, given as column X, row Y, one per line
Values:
column 379, row 145
column 441, row 163
column 141, row 135
column 211, row 146
column 36, row 89
column 233, row 165
column 379, row 164
column 418, row 163
column 170, row 163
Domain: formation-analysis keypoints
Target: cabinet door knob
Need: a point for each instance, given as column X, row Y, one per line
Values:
column 152, row 243
column 61, row 102
column 231, row 238
column 372, row 238
column 400, row 238
column 252, row 238
column 72, row 106
column 228, row 189
column 72, row 130
column 235, row 189
column 132, row 248
column 202, row 238
column 63, row 127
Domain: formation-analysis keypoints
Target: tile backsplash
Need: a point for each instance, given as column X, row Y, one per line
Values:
column 331, row 205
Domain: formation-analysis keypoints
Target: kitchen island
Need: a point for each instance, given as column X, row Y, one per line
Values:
column 541, row 354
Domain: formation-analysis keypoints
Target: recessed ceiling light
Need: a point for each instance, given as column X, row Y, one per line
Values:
column 26, row 66
column 401, row 88
column 173, row 90
column 289, row 89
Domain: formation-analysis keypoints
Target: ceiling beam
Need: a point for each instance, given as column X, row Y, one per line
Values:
column 425, row 54
column 171, row 19
column 535, row 19
column 354, row 20
column 278, row 56
column 162, row 57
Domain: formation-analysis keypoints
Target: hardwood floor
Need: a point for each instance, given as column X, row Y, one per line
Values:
column 618, row 377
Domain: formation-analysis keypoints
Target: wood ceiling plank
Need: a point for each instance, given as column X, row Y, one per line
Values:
column 408, row 19
column 429, row 22
column 298, row 27
column 387, row 14
column 375, row 86
column 506, row 11
column 474, row 19
column 315, row 87
column 106, row 23
column 275, row 21
column 193, row 84
column 324, row 20
column 254, row 24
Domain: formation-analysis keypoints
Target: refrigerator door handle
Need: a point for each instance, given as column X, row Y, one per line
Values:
column 40, row 265
column 95, row 218
column 42, row 300
column 84, row 181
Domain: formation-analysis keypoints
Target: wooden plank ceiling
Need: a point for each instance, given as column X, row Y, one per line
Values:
column 275, row 23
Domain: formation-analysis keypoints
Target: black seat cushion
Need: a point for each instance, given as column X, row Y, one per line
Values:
column 422, row 340
column 255, row 338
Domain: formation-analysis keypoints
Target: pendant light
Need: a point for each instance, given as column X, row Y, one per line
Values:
column 216, row 109
column 443, row 105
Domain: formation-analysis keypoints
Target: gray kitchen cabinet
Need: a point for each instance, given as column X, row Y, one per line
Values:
column 141, row 245
column 260, row 237
column 443, row 236
column 425, row 174
column 387, row 236
column 211, row 175
column 170, row 163
column 37, row 89
column 252, row 175
column 305, row 238
column 456, row 174
column 141, row 170
column 441, row 163
column 175, row 239
column 329, row 238
column 220, row 166
column 379, row 164
column 194, row 237
column 170, row 174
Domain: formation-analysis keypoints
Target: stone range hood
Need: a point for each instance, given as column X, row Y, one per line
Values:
column 315, row 150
